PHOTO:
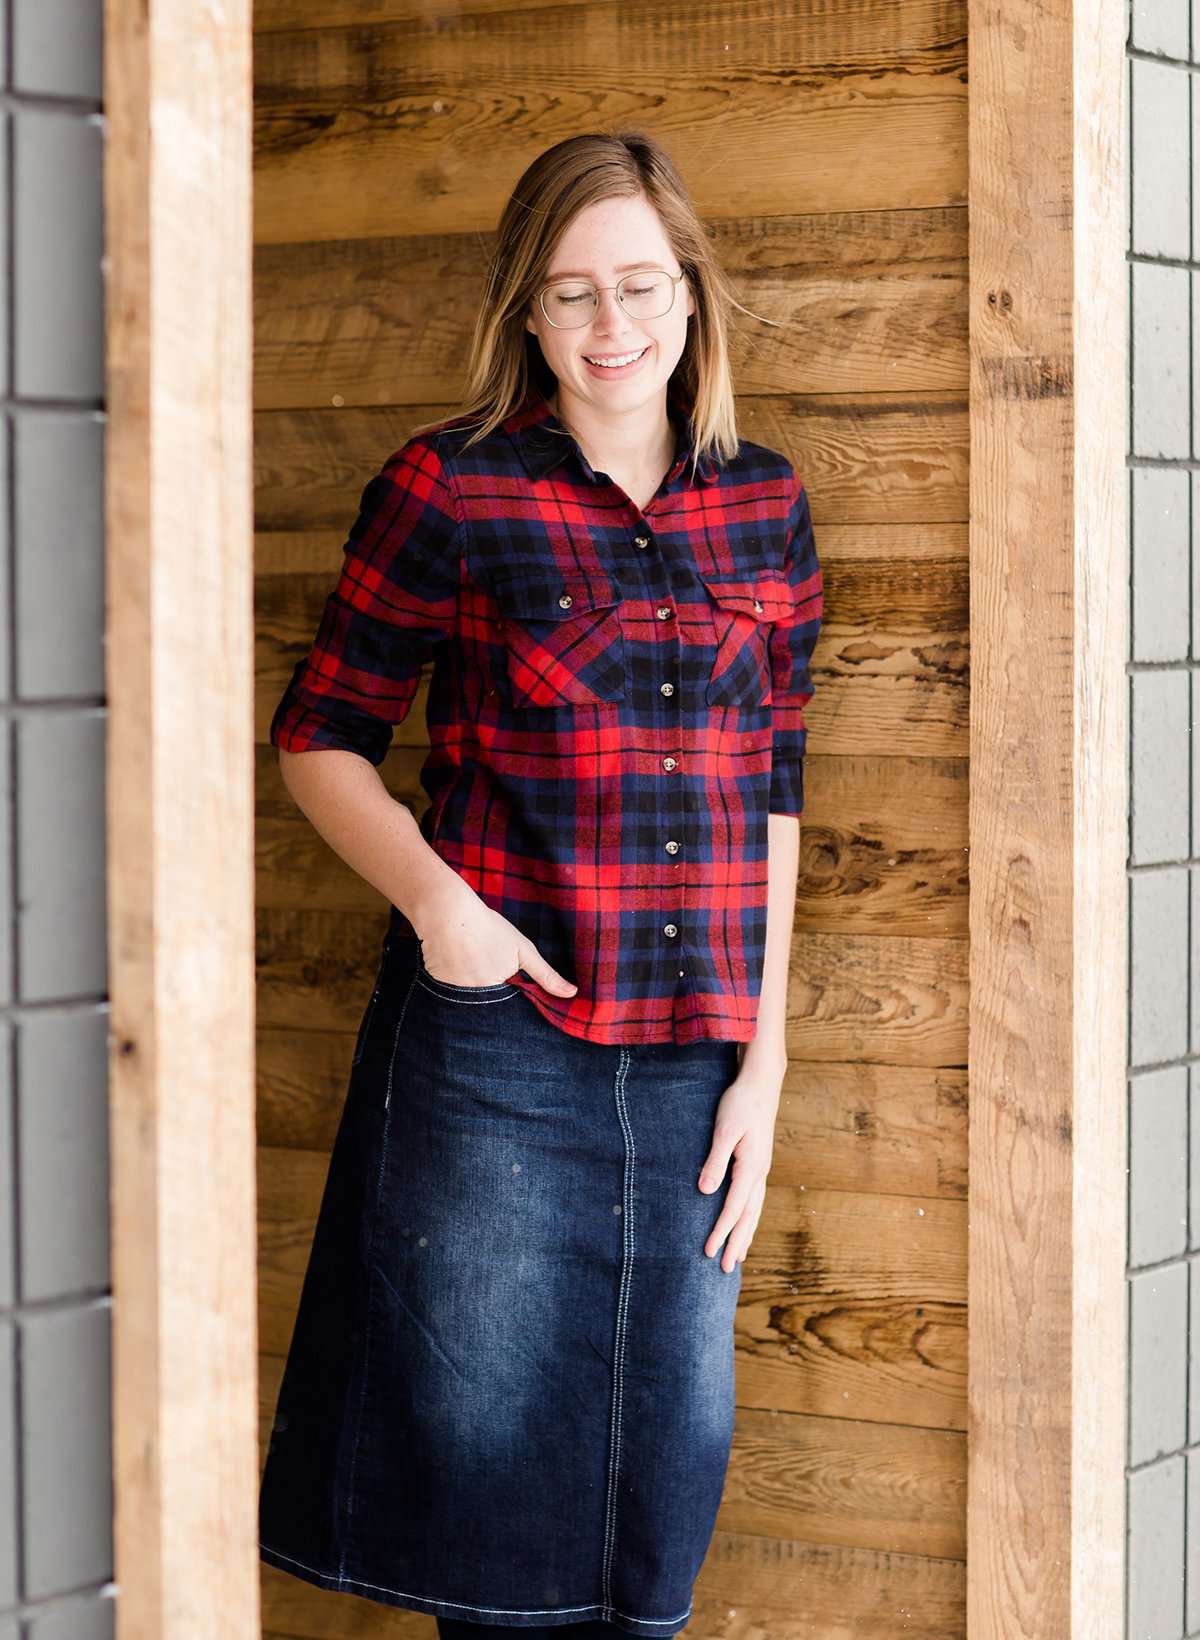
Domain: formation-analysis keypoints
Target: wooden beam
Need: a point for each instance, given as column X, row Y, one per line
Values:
column 1048, row 980
column 179, row 523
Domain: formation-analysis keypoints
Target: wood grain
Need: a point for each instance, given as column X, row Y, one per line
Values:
column 1047, row 1546
column 868, row 460
column 179, row 817
column 423, row 124
column 848, row 302
column 892, row 1487
column 751, row 1586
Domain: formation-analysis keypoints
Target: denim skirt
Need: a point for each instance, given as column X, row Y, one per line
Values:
column 509, row 1391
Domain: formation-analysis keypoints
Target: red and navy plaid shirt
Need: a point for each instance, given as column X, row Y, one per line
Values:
column 616, row 702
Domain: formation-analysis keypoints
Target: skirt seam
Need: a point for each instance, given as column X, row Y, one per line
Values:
column 614, row 1461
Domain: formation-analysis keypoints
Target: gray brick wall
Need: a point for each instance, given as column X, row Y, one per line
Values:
column 55, row 1296
column 1163, row 1433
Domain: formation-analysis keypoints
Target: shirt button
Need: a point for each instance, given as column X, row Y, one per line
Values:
column 641, row 540
column 666, row 688
column 670, row 930
column 565, row 601
column 672, row 847
column 668, row 762
column 664, row 612
column 757, row 607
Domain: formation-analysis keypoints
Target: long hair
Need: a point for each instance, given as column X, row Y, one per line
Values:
column 505, row 359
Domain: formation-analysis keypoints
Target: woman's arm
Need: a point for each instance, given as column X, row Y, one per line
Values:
column 744, row 1129
column 343, row 797
column 765, row 1057
column 395, row 600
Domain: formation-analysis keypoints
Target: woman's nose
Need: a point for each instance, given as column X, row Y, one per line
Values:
column 610, row 317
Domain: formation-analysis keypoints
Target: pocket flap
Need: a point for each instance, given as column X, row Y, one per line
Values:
column 765, row 597
column 550, row 597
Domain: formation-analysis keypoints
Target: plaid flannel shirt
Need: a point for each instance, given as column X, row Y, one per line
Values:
column 616, row 702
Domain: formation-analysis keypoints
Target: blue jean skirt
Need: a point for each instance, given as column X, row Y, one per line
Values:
column 509, row 1392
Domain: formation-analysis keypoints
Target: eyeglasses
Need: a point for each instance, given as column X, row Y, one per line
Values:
column 570, row 303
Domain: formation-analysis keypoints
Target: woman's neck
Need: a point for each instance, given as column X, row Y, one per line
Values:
column 635, row 451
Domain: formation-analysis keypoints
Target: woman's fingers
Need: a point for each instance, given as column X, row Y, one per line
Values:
column 744, row 1197
column 540, row 971
column 743, row 1231
column 726, row 1135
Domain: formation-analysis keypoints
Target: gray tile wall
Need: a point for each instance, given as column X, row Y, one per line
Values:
column 55, row 1296
column 1163, row 1434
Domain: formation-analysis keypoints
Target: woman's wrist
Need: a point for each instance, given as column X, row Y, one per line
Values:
column 441, row 898
column 763, row 1057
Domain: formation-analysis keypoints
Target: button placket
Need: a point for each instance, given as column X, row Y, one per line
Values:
column 665, row 611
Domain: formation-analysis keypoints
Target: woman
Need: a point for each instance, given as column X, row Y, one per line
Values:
column 508, row 1398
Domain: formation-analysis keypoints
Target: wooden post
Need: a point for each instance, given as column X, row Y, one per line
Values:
column 1049, row 585
column 179, row 529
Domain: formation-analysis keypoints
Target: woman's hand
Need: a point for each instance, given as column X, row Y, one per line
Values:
column 744, row 1129
column 465, row 942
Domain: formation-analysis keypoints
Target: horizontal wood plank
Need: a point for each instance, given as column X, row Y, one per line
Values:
column 871, row 460
column 877, row 997
column 834, row 1480
column 854, row 1305
column 424, row 124
column 851, row 302
column 880, row 1128
column 752, row 1585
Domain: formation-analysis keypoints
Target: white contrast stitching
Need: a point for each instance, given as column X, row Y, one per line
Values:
column 468, row 999
column 622, row 1311
column 435, row 1600
column 435, row 979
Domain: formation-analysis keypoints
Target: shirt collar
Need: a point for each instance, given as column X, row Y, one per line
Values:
column 543, row 442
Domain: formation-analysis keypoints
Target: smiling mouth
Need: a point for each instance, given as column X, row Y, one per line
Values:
column 616, row 360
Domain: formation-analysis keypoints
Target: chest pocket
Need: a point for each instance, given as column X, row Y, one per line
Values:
column 743, row 613
column 563, row 643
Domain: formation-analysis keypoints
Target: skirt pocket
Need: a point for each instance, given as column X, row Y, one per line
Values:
column 499, row 991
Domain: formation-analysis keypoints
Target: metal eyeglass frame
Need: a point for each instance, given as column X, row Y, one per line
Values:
column 596, row 290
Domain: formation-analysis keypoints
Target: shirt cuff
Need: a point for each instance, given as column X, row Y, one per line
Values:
column 787, row 787
column 298, row 728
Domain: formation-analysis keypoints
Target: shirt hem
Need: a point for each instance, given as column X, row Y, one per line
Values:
column 632, row 1035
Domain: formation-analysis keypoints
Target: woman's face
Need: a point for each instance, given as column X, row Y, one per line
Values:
column 604, row 241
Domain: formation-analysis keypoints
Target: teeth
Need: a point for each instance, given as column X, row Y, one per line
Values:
column 614, row 364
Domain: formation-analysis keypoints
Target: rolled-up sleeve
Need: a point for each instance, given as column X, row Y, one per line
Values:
column 395, row 600
column 791, row 645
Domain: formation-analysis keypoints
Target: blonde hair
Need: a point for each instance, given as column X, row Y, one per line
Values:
column 506, row 359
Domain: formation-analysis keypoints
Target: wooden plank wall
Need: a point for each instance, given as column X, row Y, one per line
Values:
column 827, row 148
